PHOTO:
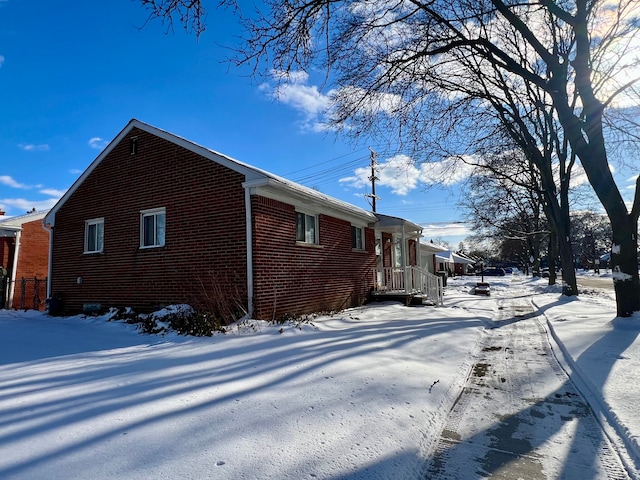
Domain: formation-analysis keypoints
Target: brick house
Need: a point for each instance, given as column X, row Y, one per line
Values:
column 24, row 256
column 156, row 219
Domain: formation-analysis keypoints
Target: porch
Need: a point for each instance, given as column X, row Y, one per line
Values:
column 412, row 285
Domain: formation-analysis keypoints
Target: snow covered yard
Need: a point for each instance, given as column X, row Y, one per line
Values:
column 356, row 396
column 359, row 395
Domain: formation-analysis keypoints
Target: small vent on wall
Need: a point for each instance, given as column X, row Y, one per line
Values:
column 133, row 145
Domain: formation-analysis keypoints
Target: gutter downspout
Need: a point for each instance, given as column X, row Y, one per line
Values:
column 14, row 270
column 247, row 202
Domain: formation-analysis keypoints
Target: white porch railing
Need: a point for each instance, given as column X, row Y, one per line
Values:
column 409, row 280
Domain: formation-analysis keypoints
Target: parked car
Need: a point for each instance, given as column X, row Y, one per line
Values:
column 494, row 272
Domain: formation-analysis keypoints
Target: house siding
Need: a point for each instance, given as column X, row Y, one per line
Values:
column 204, row 256
column 33, row 261
column 294, row 279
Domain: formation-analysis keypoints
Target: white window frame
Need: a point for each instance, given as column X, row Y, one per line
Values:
column 158, row 235
column 310, row 237
column 98, row 232
column 354, row 243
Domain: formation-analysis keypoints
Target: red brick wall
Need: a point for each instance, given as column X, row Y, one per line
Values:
column 205, row 240
column 33, row 261
column 296, row 279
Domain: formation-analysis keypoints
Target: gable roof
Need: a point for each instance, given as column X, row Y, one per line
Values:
column 258, row 180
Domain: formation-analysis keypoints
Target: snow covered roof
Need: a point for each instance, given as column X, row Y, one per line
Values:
column 10, row 225
column 260, row 181
column 432, row 247
column 459, row 258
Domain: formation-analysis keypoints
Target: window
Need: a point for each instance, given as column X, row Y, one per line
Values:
column 94, row 235
column 152, row 227
column 357, row 238
column 306, row 228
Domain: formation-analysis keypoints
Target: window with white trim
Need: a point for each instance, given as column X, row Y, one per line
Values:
column 152, row 227
column 357, row 238
column 94, row 235
column 306, row 228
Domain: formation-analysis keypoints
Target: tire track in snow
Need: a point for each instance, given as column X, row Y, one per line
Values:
column 519, row 415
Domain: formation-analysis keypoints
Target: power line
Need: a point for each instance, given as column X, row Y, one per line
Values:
column 325, row 162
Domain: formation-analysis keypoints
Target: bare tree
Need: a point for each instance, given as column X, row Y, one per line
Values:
column 591, row 236
column 430, row 69
column 505, row 204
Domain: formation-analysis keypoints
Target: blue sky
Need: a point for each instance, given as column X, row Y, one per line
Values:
column 71, row 77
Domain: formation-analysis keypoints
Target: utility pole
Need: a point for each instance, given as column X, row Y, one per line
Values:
column 373, row 179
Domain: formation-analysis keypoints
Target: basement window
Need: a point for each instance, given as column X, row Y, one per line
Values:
column 152, row 227
column 94, row 235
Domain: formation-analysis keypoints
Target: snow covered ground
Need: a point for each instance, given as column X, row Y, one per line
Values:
column 363, row 394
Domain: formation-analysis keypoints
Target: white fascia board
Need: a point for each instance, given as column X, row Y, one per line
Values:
column 309, row 200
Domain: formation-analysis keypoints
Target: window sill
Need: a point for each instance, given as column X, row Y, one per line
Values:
column 358, row 250
column 309, row 245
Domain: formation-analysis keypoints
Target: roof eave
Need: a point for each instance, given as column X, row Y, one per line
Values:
column 303, row 197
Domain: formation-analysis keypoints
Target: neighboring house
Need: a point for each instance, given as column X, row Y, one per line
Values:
column 157, row 219
column 435, row 258
column 24, row 258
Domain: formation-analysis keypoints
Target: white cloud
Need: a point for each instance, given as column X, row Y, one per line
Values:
column 448, row 171
column 97, row 143
column 22, row 205
column 18, row 206
column 306, row 99
column 75, row 171
column 34, row 148
column 453, row 229
column 401, row 174
column 11, row 182
column 53, row 192
column 398, row 173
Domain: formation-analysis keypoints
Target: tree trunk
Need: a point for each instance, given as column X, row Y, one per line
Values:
column 552, row 255
column 569, row 281
column 624, row 265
